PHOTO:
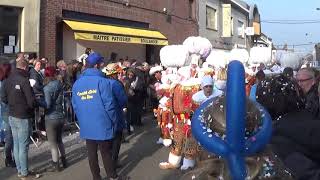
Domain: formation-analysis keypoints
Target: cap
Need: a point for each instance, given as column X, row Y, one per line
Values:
column 206, row 80
column 94, row 58
column 155, row 69
column 112, row 68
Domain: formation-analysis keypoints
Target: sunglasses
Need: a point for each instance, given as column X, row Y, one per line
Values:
column 303, row 80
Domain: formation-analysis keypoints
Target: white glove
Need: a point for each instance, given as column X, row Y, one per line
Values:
column 167, row 142
column 169, row 125
column 32, row 82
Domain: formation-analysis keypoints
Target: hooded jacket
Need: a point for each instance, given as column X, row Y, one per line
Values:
column 98, row 104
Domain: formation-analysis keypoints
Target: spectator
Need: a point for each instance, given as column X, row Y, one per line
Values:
column 134, row 85
column 31, row 58
column 84, row 56
column 112, row 71
column 260, row 76
column 296, row 142
column 54, row 118
column 98, row 103
column 36, row 78
column 36, row 81
column 279, row 95
column 307, row 82
column 154, row 84
column 8, row 148
column 288, row 72
column 18, row 94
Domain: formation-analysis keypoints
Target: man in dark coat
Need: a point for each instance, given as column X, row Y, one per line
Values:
column 296, row 142
column 307, row 81
column 18, row 94
column 36, row 78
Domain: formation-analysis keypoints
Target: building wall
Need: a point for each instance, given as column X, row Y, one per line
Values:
column 215, row 36
column 238, row 15
column 176, row 28
column 30, row 21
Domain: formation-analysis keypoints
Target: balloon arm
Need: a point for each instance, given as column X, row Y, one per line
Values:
column 209, row 141
column 236, row 166
column 235, row 107
column 262, row 137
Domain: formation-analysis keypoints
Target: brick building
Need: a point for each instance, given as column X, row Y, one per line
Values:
column 67, row 27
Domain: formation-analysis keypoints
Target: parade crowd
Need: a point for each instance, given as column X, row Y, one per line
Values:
column 109, row 98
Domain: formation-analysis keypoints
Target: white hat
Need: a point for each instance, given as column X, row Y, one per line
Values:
column 207, row 80
column 153, row 70
column 174, row 56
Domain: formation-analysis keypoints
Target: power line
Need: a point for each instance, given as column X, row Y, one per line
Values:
column 287, row 20
column 292, row 22
column 295, row 45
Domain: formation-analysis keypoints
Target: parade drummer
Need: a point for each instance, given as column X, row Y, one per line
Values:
column 183, row 143
column 207, row 91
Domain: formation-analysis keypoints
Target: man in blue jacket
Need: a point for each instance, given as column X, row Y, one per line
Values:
column 98, row 104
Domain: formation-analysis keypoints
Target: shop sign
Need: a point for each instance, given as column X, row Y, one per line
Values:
column 121, row 39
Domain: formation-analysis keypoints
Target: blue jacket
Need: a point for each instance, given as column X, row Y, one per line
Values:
column 253, row 92
column 53, row 96
column 98, row 103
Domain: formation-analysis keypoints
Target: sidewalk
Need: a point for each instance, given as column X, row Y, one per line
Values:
column 139, row 158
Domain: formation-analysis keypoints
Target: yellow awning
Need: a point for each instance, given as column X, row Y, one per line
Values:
column 109, row 33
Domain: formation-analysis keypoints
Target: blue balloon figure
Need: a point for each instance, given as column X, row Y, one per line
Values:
column 235, row 148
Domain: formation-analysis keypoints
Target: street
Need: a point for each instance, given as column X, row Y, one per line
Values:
column 139, row 158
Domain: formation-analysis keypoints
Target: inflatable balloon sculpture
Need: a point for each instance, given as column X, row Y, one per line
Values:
column 236, row 144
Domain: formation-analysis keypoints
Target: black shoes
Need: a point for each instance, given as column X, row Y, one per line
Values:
column 63, row 161
column 55, row 167
column 9, row 163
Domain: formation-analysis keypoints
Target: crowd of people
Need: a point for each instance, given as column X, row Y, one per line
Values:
column 109, row 98
column 36, row 95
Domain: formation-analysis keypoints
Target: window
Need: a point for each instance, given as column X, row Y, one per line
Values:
column 9, row 33
column 240, row 29
column 211, row 19
column 231, row 26
column 191, row 9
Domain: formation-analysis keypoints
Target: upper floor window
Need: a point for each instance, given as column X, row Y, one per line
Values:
column 240, row 29
column 231, row 21
column 211, row 18
column 191, row 9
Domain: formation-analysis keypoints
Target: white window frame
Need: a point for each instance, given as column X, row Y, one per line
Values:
column 242, row 29
column 232, row 28
column 215, row 23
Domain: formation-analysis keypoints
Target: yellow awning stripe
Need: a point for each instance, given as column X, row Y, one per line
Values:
column 109, row 29
column 116, row 38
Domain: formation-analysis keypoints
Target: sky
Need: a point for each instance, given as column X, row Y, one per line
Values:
column 290, row 10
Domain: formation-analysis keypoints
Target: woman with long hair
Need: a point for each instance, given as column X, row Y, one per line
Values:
column 54, row 117
column 5, row 70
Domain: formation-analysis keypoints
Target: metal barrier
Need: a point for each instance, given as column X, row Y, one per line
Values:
column 39, row 113
column 69, row 114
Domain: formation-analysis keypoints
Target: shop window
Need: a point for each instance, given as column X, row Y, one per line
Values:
column 211, row 19
column 9, row 30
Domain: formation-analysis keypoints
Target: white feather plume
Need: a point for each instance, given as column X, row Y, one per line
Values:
column 174, row 56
